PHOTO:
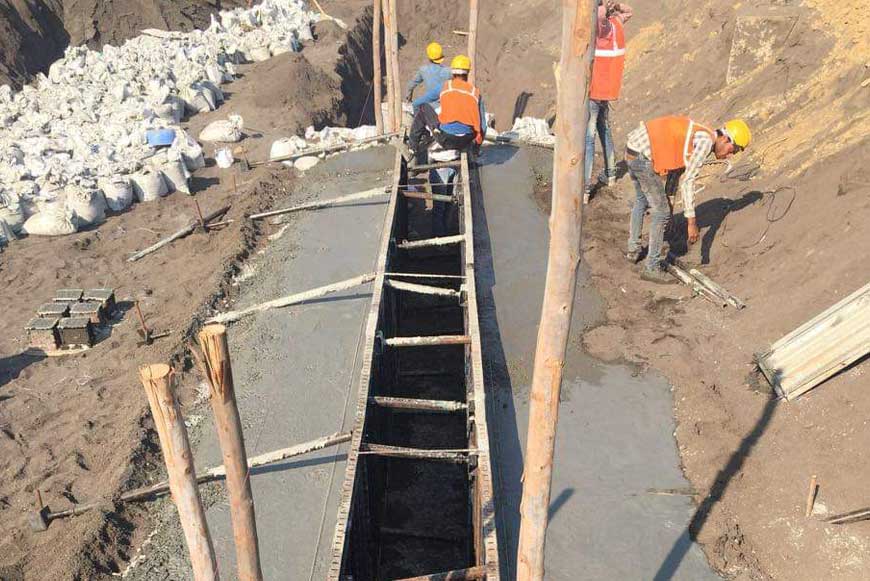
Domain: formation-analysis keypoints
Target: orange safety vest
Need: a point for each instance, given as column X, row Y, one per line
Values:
column 608, row 64
column 670, row 140
column 460, row 102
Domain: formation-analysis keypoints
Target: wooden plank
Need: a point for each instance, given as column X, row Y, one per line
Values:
column 428, row 341
column 426, row 405
column 470, row 574
column 441, row 241
column 458, row 456
column 820, row 348
column 368, row 194
column 423, row 289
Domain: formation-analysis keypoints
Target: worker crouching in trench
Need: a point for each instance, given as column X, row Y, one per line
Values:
column 459, row 125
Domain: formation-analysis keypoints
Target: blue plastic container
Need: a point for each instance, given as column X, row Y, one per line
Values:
column 160, row 137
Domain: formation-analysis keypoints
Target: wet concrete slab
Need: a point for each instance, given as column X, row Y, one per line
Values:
column 296, row 375
column 613, row 514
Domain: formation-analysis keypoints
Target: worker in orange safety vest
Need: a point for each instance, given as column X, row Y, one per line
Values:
column 607, row 68
column 666, row 146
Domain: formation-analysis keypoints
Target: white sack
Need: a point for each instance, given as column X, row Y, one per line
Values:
column 223, row 131
column 190, row 150
column 149, row 185
column 175, row 175
column 118, row 192
column 286, row 146
column 89, row 206
column 306, row 163
column 53, row 220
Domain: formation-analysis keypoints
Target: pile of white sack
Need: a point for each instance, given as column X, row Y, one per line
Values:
column 530, row 129
column 73, row 143
column 326, row 137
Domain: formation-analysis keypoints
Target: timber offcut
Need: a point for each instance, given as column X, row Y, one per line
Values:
column 417, row 498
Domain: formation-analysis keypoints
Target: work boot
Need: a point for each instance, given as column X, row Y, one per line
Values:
column 634, row 256
column 607, row 181
column 657, row 276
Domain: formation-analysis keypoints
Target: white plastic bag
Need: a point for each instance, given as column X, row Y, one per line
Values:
column 52, row 220
column 88, row 206
column 224, row 158
column 223, row 131
column 118, row 192
column 149, row 185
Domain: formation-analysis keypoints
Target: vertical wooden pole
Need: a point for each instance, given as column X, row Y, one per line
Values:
column 215, row 366
column 472, row 38
column 563, row 259
column 388, row 49
column 157, row 381
column 397, row 84
column 377, row 76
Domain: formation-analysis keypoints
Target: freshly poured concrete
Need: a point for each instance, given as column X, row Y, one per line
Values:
column 615, row 443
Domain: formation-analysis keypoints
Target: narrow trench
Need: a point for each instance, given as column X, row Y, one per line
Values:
column 418, row 514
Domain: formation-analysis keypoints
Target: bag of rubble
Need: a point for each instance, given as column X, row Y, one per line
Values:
column 199, row 99
column 52, row 220
column 87, row 205
column 190, row 150
column 149, row 185
column 11, row 212
column 174, row 172
column 287, row 146
column 223, row 131
column 118, row 193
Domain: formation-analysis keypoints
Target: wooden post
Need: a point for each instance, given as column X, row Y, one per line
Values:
column 214, row 363
column 397, row 84
column 472, row 38
column 563, row 259
column 377, row 75
column 388, row 49
column 157, row 381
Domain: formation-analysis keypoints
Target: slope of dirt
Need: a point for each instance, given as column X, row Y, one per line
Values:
column 34, row 34
column 784, row 230
column 76, row 428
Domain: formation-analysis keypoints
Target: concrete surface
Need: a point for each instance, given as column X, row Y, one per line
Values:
column 296, row 378
column 615, row 443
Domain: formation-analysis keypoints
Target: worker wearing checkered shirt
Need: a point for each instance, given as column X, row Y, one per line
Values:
column 660, row 147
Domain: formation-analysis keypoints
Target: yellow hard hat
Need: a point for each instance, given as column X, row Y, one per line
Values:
column 738, row 132
column 460, row 64
column 435, row 52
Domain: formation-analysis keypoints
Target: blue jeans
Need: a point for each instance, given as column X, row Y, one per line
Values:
column 442, row 184
column 650, row 194
column 599, row 122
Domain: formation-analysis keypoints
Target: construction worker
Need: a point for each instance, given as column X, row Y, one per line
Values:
column 670, row 146
column 605, row 87
column 463, row 117
column 432, row 76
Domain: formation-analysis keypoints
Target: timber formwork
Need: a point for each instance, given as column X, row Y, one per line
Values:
column 417, row 498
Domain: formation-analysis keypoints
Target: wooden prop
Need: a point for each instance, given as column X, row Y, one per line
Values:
column 294, row 299
column 368, row 194
column 470, row 574
column 187, row 230
column 157, row 381
column 40, row 520
column 423, row 405
column 423, row 289
column 317, row 151
column 849, row 517
column 563, row 260
column 214, row 364
column 397, row 84
column 432, row 341
column 442, row 241
column 392, row 123
column 687, row 279
column 377, row 76
column 472, row 38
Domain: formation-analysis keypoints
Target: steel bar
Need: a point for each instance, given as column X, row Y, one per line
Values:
column 425, row 243
column 428, row 341
column 429, row 405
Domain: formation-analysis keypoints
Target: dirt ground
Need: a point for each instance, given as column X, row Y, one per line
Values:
column 76, row 428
